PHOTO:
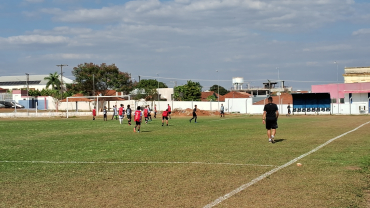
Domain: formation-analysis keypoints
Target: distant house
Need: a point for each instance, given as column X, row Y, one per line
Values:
column 285, row 98
column 234, row 94
column 35, row 82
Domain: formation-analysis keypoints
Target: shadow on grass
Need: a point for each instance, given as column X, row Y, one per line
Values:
column 279, row 140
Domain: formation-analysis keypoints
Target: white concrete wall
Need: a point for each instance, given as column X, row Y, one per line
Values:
column 241, row 105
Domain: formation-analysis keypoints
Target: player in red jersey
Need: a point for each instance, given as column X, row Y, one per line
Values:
column 137, row 118
column 94, row 113
column 146, row 114
column 165, row 116
column 169, row 110
column 120, row 114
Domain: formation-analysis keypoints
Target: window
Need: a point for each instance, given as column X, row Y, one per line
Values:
column 333, row 100
column 341, row 100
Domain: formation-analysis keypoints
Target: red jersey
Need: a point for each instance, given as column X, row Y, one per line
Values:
column 165, row 113
column 120, row 111
column 94, row 112
column 169, row 108
column 146, row 112
column 137, row 115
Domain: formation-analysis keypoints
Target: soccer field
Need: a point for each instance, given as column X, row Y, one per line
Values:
column 79, row 162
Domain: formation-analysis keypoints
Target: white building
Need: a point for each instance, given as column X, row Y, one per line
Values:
column 35, row 82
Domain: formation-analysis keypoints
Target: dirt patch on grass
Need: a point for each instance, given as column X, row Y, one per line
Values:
column 189, row 112
column 367, row 198
column 353, row 168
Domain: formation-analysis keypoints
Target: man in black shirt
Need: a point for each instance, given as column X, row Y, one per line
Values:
column 270, row 116
column 194, row 114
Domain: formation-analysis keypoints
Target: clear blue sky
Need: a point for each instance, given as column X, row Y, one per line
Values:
column 296, row 41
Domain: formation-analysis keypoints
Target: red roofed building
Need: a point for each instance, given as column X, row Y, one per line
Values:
column 285, row 98
column 234, row 94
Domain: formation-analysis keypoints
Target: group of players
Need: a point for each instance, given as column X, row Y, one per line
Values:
column 269, row 118
column 138, row 114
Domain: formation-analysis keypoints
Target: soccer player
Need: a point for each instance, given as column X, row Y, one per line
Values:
column 155, row 110
column 288, row 109
column 149, row 113
column 94, row 113
column 120, row 113
column 146, row 114
column 194, row 114
column 165, row 116
column 169, row 110
column 114, row 112
column 222, row 110
column 123, row 114
column 137, row 119
column 105, row 113
column 128, row 112
column 270, row 117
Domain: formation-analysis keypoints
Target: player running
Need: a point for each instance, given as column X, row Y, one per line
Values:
column 194, row 114
column 165, row 116
column 137, row 118
column 114, row 112
column 128, row 113
column 146, row 111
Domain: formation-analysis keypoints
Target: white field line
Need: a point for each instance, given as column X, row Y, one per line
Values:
column 244, row 186
column 221, row 119
column 76, row 162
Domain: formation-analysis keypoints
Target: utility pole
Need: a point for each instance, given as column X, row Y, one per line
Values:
column 61, row 78
column 28, row 99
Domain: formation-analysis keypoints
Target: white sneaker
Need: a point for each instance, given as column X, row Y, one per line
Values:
column 270, row 140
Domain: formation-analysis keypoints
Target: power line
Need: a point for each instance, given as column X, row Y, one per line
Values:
column 229, row 80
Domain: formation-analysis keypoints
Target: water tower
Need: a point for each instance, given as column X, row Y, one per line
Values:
column 238, row 83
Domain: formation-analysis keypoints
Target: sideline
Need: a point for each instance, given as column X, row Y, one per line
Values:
column 76, row 162
column 244, row 186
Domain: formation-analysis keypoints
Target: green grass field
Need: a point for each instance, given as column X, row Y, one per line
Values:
column 77, row 162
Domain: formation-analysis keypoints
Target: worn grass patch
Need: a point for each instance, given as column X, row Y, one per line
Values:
column 183, row 165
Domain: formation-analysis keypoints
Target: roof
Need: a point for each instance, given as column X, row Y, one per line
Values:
column 234, row 94
column 32, row 80
column 284, row 99
column 205, row 95
column 77, row 99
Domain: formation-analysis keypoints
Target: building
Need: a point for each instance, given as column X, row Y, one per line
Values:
column 35, row 82
column 347, row 98
column 356, row 74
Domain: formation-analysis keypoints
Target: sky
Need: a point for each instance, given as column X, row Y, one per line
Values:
column 303, row 42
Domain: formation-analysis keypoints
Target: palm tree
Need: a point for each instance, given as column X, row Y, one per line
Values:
column 53, row 80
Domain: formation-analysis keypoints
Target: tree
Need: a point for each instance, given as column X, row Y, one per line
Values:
column 215, row 89
column 90, row 77
column 53, row 80
column 147, row 89
column 188, row 92
column 150, row 84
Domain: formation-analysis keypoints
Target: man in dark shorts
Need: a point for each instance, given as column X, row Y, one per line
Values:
column 165, row 117
column 128, row 113
column 288, row 109
column 137, row 118
column 222, row 111
column 194, row 114
column 270, row 117
column 169, row 110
